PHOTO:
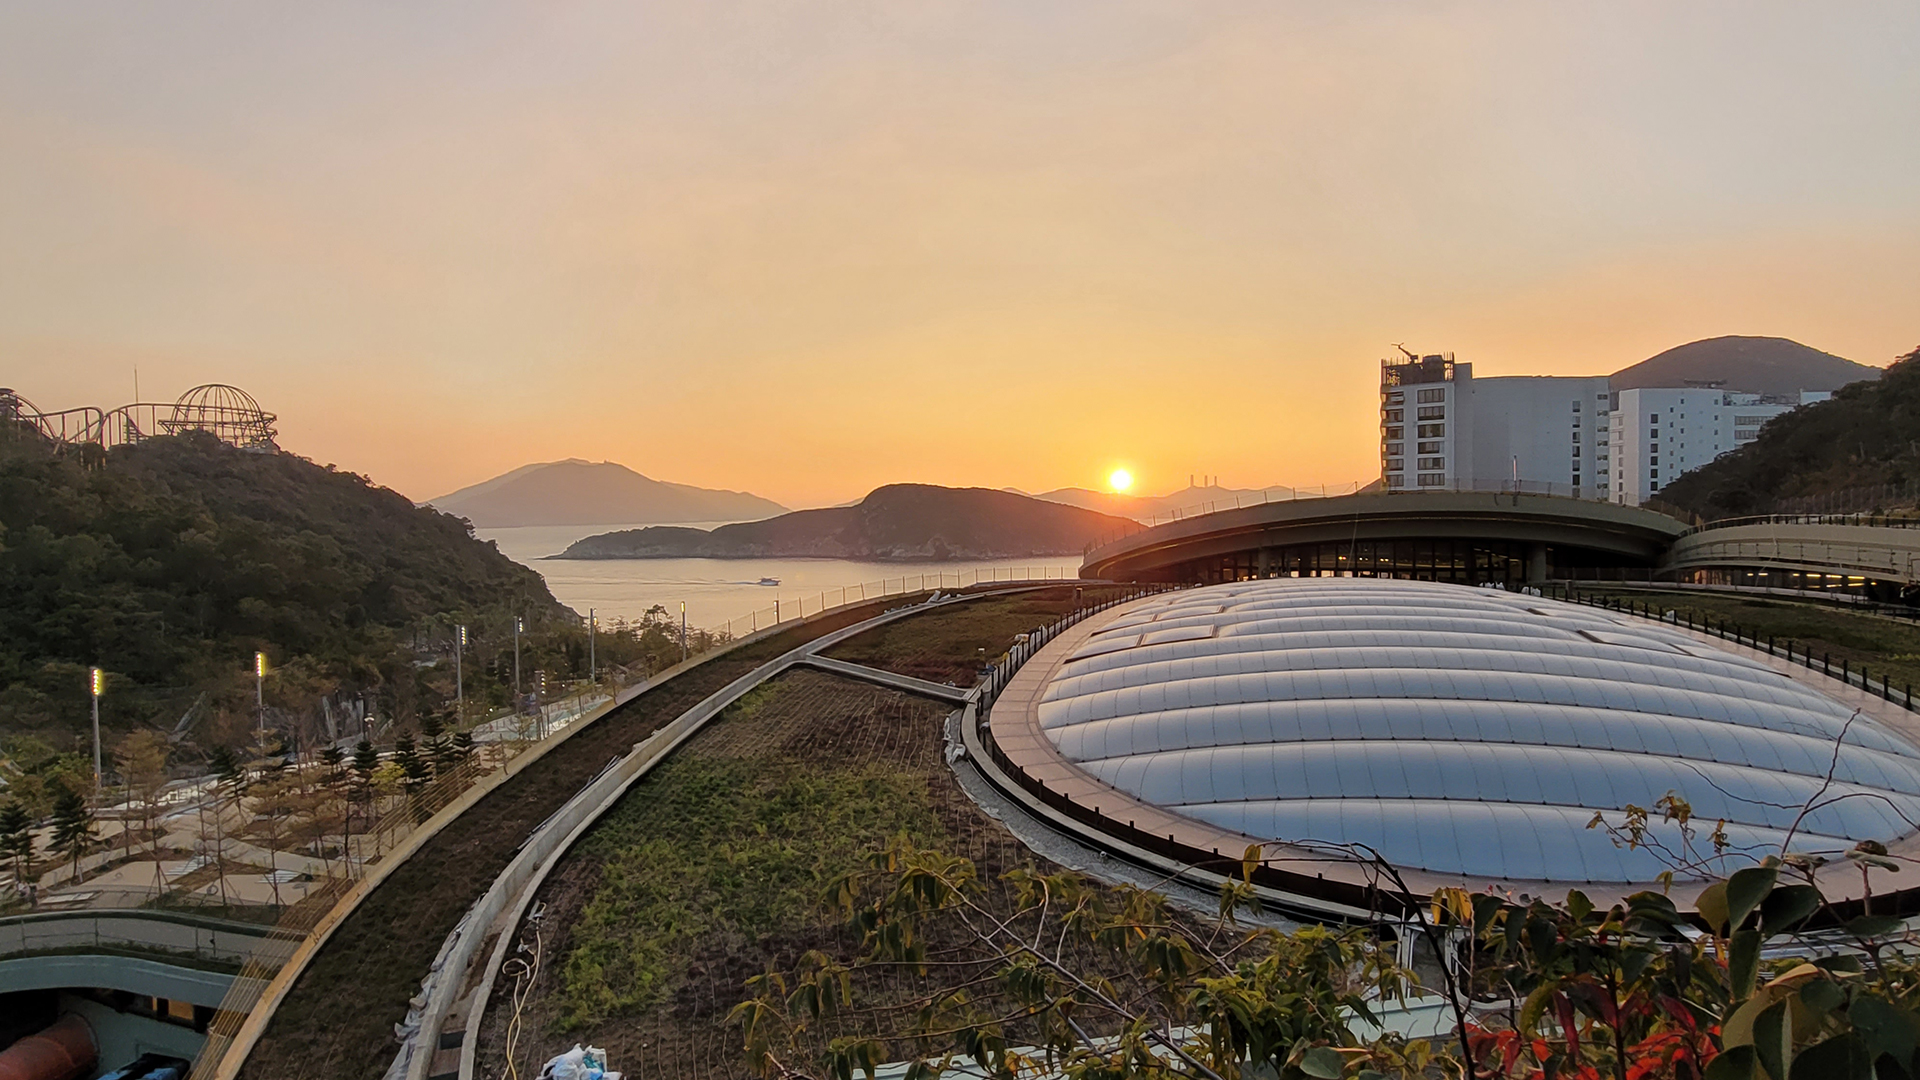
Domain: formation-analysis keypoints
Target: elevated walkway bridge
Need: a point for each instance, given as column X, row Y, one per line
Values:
column 1470, row 537
column 1516, row 538
column 1872, row 557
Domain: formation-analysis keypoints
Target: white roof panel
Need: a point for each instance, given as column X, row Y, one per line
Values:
column 1461, row 730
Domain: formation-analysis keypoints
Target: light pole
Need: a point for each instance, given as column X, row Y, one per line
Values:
column 98, row 685
column 459, row 677
column 260, row 695
column 518, row 625
column 683, row 630
column 593, row 671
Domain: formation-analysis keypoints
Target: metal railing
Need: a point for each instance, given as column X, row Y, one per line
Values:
column 1877, row 519
column 803, row 607
column 1728, row 630
column 994, row 679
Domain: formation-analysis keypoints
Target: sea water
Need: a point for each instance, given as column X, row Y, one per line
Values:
column 717, row 590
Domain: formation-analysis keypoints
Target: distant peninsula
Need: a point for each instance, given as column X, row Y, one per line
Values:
column 899, row 522
column 576, row 492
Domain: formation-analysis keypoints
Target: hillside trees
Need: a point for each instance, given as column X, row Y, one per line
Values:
column 1867, row 436
column 178, row 557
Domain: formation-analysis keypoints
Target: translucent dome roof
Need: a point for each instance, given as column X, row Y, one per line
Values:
column 1459, row 730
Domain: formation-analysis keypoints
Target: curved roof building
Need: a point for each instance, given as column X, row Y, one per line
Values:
column 1467, row 735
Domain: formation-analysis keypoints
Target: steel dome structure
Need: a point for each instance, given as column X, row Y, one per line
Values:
column 1468, row 734
column 227, row 412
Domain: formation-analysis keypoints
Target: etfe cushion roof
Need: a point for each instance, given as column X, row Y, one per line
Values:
column 1463, row 730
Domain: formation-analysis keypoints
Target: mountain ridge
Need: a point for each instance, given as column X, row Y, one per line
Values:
column 896, row 522
column 574, row 491
column 1748, row 363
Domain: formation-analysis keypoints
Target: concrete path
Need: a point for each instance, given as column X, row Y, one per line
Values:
column 892, row 680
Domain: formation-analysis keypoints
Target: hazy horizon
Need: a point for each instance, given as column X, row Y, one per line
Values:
column 803, row 250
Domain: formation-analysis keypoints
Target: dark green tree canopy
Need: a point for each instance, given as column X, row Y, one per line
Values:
column 1867, row 436
column 169, row 562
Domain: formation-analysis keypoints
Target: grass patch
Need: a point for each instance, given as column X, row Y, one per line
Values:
column 1884, row 645
column 722, row 851
column 947, row 645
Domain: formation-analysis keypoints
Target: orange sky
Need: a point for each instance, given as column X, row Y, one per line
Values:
column 804, row 249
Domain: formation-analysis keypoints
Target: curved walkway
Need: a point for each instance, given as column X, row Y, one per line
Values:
column 453, row 1005
column 1604, row 530
column 344, row 1010
column 1878, row 552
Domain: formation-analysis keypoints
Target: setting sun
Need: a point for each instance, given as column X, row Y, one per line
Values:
column 1120, row 480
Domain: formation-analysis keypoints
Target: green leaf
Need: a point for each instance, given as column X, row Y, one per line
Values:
column 1843, row 1057
column 1736, row 1063
column 1788, row 906
column 1743, row 962
column 1885, row 1028
column 1822, row 996
column 1872, row 925
column 1773, row 1038
column 1745, row 889
column 1323, row 1062
column 1578, row 905
column 1712, row 906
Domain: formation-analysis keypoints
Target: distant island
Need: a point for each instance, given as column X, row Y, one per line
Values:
column 899, row 522
column 576, row 492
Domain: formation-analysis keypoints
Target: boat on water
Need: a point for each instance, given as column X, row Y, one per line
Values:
column 769, row 581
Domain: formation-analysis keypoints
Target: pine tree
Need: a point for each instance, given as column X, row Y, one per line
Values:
column 73, row 830
column 433, row 741
column 334, row 758
column 365, row 760
column 16, row 838
column 407, row 756
column 229, row 776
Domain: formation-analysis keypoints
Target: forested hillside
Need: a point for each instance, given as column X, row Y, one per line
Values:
column 898, row 521
column 169, row 562
column 1867, row 437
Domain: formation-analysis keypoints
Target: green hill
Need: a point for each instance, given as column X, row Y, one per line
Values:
column 169, row 562
column 1866, row 439
column 895, row 522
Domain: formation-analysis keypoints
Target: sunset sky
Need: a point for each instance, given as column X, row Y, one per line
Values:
column 807, row 248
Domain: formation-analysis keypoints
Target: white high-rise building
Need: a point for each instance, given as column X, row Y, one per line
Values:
column 1659, row 433
column 1442, row 428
